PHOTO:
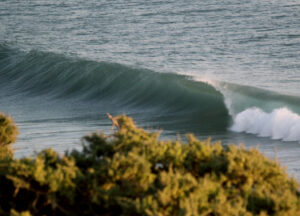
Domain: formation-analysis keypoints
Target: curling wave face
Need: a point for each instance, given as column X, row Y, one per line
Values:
column 171, row 101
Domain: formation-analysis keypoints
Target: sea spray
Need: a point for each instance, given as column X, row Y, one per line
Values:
column 281, row 124
column 220, row 87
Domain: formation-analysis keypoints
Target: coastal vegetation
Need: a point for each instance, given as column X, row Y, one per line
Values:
column 133, row 172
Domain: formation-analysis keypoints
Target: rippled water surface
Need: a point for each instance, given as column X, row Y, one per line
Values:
column 226, row 69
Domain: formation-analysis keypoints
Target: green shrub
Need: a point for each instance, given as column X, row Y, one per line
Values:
column 8, row 130
column 8, row 135
column 132, row 172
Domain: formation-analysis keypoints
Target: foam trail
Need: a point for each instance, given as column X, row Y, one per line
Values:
column 281, row 124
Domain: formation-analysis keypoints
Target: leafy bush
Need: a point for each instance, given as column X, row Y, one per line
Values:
column 132, row 172
column 8, row 135
column 8, row 130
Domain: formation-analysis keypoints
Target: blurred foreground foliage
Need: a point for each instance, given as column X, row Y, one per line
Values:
column 131, row 172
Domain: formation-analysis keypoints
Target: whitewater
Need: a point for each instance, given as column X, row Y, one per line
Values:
column 279, row 124
column 228, row 70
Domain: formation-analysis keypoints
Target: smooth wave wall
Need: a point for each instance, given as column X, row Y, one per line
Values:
column 170, row 97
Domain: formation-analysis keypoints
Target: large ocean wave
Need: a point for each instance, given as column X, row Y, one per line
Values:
column 172, row 98
column 180, row 100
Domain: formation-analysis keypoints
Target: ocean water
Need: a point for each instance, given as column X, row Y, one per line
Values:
column 228, row 69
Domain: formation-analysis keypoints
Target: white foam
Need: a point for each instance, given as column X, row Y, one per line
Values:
column 280, row 124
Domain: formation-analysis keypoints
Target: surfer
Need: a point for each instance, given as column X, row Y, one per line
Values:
column 114, row 120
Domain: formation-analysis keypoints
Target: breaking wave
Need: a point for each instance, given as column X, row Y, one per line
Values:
column 178, row 100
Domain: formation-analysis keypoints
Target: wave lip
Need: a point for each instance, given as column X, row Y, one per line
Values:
column 281, row 124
